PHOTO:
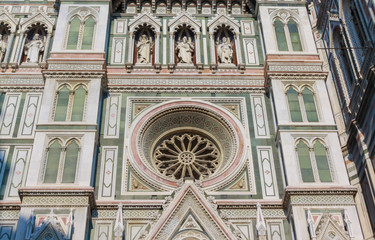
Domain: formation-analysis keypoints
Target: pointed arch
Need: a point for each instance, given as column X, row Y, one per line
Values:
column 310, row 106
column 71, row 160
column 62, row 103
column 294, row 105
column 52, row 162
column 88, row 33
column 79, row 101
column 303, row 153
column 321, row 157
column 294, row 35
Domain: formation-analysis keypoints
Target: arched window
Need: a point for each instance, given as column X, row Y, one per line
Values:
column 81, row 33
column 305, row 162
column 322, row 162
column 313, row 162
column 53, row 160
column 287, row 35
column 302, row 105
column 70, row 104
column 294, row 106
column 294, row 35
column 61, row 162
column 280, row 35
column 70, row 165
column 62, row 104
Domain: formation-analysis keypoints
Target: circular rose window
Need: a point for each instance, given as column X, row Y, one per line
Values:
column 187, row 155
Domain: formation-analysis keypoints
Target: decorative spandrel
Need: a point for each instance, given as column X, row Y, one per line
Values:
column 187, row 155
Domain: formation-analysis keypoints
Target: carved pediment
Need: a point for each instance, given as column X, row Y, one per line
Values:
column 184, row 19
column 223, row 20
column 9, row 20
column 39, row 17
column 145, row 19
column 328, row 228
column 190, row 213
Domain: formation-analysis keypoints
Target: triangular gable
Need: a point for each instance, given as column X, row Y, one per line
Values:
column 225, row 20
column 329, row 227
column 8, row 19
column 189, row 200
column 40, row 17
column 47, row 231
column 145, row 18
column 184, row 19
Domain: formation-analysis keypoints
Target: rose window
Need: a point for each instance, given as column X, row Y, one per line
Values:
column 187, row 155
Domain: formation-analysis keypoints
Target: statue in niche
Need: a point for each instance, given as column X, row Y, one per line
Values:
column 3, row 47
column 225, row 51
column 144, row 49
column 33, row 49
column 185, row 50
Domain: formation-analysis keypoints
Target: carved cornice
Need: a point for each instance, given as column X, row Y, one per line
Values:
column 327, row 194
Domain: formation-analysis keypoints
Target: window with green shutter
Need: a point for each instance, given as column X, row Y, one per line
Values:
column 280, row 35
column 70, row 164
column 308, row 100
column 53, row 161
column 62, row 104
column 88, row 34
column 73, row 36
column 322, row 162
column 294, row 106
column 303, row 153
column 294, row 36
column 78, row 104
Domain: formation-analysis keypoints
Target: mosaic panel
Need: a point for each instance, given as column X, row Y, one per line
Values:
column 260, row 118
column 251, row 51
column 9, row 114
column 108, row 173
column 28, row 119
column 267, row 170
column 118, row 50
column 112, row 120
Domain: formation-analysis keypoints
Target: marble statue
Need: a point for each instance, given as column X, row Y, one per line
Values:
column 225, row 52
column 144, row 49
column 33, row 49
column 185, row 50
column 3, row 48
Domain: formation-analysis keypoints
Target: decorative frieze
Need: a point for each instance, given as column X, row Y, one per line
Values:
column 51, row 201
column 251, row 213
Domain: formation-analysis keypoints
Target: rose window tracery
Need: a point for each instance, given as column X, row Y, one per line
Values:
column 187, row 155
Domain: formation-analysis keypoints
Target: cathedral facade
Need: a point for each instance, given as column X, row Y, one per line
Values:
column 183, row 120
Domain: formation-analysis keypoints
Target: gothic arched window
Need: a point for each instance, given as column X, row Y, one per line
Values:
column 61, row 162
column 287, row 35
column 302, row 105
column 313, row 162
column 81, row 33
column 70, row 104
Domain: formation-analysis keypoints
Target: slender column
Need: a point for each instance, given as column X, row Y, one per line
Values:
column 212, row 48
column 9, row 47
column 46, row 47
column 21, row 44
column 238, row 48
column 131, row 46
column 171, row 48
column 157, row 48
column 197, row 48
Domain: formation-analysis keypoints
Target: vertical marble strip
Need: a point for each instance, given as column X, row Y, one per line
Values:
column 165, row 26
column 29, row 115
column 267, row 170
column 205, row 51
column 9, row 114
column 3, row 160
column 251, row 51
column 18, row 170
column 108, row 172
column 103, row 230
column 275, row 230
column 6, row 232
column 112, row 120
column 118, row 50
column 204, row 31
column 260, row 119
column 164, row 50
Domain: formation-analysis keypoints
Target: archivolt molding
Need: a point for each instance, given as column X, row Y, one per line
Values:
column 39, row 17
column 83, row 13
column 145, row 19
column 285, row 15
column 223, row 20
column 8, row 20
column 184, row 19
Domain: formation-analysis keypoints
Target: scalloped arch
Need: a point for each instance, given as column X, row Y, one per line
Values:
column 223, row 20
column 184, row 19
column 145, row 19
